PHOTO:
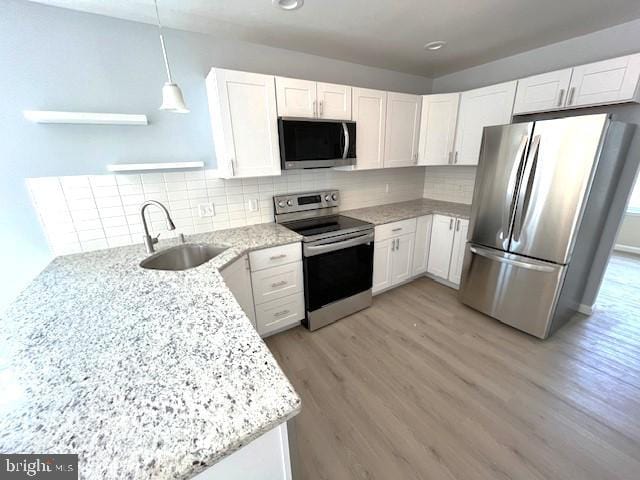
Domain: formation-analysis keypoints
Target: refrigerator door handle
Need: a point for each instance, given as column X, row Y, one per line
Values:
column 524, row 195
column 509, row 261
column 510, row 198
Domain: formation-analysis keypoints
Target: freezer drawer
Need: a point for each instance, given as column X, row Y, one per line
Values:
column 516, row 290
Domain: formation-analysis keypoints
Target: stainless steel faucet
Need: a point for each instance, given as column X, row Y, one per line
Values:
column 150, row 241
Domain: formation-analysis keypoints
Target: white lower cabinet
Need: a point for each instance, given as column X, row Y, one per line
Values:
column 278, row 290
column 268, row 457
column 393, row 254
column 446, row 250
column 268, row 286
column 421, row 248
column 237, row 276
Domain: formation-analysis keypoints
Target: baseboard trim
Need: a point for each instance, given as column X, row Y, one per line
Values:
column 626, row 248
column 586, row 309
column 443, row 281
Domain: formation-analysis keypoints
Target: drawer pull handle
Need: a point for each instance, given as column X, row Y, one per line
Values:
column 279, row 284
column 281, row 313
column 396, row 229
column 278, row 257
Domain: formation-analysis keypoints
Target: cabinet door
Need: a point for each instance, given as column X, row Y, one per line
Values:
column 478, row 109
column 542, row 93
column 334, row 101
column 402, row 262
column 245, row 123
column 296, row 98
column 457, row 254
column 609, row 81
column 421, row 249
column 401, row 130
column 237, row 276
column 442, row 232
column 369, row 111
column 382, row 265
column 438, row 128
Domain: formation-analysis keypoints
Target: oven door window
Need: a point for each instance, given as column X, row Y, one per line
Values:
column 336, row 275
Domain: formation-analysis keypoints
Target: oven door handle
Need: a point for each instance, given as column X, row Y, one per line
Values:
column 312, row 250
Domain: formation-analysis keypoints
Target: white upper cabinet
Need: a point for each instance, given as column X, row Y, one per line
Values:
column 401, row 136
column 334, row 101
column 245, row 123
column 481, row 108
column 542, row 93
column 438, row 128
column 309, row 99
column 369, row 113
column 599, row 83
column 296, row 98
column 609, row 81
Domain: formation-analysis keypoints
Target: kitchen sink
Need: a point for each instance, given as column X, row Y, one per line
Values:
column 182, row 257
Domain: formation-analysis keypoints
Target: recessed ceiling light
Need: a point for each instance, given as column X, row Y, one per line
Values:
column 288, row 4
column 437, row 45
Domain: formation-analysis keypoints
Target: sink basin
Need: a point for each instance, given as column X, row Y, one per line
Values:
column 182, row 257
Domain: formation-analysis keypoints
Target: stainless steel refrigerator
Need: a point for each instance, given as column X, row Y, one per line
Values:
column 541, row 197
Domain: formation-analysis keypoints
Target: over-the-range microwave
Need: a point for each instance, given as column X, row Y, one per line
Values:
column 309, row 143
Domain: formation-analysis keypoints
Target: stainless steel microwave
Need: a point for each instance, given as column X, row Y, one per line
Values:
column 308, row 143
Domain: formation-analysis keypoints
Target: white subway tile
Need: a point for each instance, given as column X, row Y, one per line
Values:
column 108, row 202
column 102, row 180
column 194, row 175
column 86, row 235
column 109, row 191
column 97, row 244
column 106, row 212
column 134, row 189
column 128, row 179
column 174, row 176
column 152, row 178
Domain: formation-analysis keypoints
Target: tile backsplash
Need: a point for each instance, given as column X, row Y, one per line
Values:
column 82, row 213
column 450, row 183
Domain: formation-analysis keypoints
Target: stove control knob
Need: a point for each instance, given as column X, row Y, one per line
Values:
column 281, row 204
column 290, row 203
column 327, row 198
column 334, row 197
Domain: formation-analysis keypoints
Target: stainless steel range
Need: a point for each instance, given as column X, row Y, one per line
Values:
column 337, row 255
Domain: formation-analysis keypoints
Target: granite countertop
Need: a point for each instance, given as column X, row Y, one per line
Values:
column 393, row 212
column 143, row 373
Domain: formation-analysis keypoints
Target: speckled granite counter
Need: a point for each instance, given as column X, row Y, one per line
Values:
column 393, row 212
column 144, row 374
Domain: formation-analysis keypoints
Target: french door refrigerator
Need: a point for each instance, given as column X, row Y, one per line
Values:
column 541, row 196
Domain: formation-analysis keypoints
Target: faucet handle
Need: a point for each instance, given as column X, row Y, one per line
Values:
column 181, row 237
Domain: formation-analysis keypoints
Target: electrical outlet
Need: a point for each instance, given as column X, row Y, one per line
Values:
column 252, row 205
column 206, row 210
column 386, row 188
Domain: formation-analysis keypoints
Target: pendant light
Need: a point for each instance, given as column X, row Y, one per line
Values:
column 172, row 99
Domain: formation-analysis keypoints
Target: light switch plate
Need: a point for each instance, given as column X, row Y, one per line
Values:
column 206, row 210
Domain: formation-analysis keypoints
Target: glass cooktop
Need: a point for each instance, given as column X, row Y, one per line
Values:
column 320, row 227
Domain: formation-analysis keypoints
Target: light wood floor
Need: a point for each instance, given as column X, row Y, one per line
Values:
column 421, row 387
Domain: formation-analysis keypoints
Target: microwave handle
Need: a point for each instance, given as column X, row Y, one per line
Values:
column 346, row 140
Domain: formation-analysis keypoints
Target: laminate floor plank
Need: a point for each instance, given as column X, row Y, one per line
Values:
column 421, row 387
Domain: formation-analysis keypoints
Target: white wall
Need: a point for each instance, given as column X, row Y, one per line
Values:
column 629, row 234
column 58, row 59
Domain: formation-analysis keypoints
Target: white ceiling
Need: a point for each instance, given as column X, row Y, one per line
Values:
column 384, row 33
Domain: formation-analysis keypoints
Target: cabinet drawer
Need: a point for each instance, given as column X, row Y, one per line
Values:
column 278, row 314
column 273, row 257
column 277, row 282
column 394, row 229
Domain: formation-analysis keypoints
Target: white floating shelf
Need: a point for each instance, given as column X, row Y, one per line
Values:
column 129, row 167
column 88, row 118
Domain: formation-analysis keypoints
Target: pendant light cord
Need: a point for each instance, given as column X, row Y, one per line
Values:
column 164, row 50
